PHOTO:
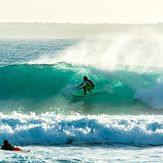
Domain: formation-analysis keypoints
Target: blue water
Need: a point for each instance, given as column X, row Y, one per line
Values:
column 38, row 111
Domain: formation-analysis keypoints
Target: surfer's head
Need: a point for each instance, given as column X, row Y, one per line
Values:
column 85, row 78
column 5, row 142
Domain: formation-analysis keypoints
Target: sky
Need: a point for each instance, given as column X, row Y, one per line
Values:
column 82, row 11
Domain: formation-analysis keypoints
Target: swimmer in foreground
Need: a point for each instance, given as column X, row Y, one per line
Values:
column 7, row 145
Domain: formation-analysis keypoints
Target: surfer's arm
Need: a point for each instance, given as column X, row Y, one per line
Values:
column 82, row 84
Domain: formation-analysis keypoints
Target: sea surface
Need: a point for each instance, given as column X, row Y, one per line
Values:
column 122, row 121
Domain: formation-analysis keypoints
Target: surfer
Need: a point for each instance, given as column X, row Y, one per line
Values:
column 86, row 85
column 7, row 145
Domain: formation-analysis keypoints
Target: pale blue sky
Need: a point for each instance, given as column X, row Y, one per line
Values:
column 82, row 11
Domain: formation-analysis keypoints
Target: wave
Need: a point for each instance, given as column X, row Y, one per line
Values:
column 51, row 129
column 40, row 88
column 131, row 65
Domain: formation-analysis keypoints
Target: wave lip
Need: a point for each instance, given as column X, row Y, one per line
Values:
column 50, row 129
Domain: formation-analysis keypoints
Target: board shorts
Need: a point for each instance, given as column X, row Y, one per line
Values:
column 88, row 87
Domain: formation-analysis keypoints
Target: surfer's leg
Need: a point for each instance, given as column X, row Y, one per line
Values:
column 89, row 90
column 85, row 91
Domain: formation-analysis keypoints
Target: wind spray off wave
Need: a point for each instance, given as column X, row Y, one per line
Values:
column 111, row 53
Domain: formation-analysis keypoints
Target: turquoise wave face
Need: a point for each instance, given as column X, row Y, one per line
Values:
column 32, row 81
column 43, row 88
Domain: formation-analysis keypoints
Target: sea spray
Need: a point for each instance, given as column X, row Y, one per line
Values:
column 110, row 53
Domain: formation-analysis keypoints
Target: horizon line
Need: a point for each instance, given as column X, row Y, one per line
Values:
column 84, row 23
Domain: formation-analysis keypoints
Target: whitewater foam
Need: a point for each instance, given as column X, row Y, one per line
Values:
column 50, row 129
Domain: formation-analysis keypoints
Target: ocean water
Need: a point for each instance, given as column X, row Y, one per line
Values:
column 121, row 122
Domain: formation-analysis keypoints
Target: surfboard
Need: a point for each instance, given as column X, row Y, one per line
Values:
column 83, row 95
column 21, row 150
column 17, row 149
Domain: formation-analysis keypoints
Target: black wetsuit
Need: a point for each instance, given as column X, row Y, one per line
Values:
column 7, row 147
